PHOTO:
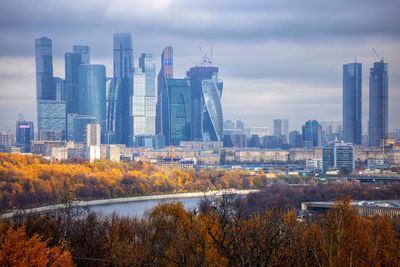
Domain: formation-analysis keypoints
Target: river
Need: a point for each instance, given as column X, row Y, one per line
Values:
column 138, row 208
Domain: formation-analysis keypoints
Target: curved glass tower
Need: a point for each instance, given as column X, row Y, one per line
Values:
column 92, row 92
column 212, row 118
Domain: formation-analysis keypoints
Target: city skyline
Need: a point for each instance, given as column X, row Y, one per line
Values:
column 310, row 89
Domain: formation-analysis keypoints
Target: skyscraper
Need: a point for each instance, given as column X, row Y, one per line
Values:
column 352, row 103
column 378, row 103
column 148, row 65
column 311, row 134
column 207, row 117
column 83, row 51
column 176, row 110
column 123, row 67
column 24, row 133
column 80, row 55
column 51, row 120
column 277, row 127
column 166, row 72
column 44, row 69
column 92, row 92
column 139, row 107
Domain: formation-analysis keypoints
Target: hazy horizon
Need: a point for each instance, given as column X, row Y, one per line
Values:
column 281, row 59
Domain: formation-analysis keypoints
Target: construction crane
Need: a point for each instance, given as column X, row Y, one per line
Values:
column 205, row 60
column 377, row 55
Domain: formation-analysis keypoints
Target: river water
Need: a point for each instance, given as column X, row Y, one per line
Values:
column 139, row 208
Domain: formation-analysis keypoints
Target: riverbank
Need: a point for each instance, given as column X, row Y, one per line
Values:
column 90, row 203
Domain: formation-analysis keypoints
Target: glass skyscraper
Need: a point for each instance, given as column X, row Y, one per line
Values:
column 24, row 133
column 166, row 72
column 138, row 104
column 51, row 120
column 312, row 134
column 92, row 92
column 352, row 103
column 378, row 103
column 148, row 65
column 176, row 110
column 207, row 117
column 123, row 67
column 44, row 69
column 76, row 126
column 80, row 55
column 83, row 51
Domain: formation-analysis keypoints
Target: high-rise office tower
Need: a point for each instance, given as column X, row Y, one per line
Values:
column 123, row 68
column 83, row 51
column 295, row 139
column 148, row 65
column 277, row 127
column 138, row 104
column 92, row 92
column 352, row 103
column 51, row 120
column 44, row 69
column 176, row 110
column 76, row 126
column 378, row 103
column 24, row 133
column 166, row 72
column 80, row 55
column 207, row 117
column 228, row 124
column 311, row 134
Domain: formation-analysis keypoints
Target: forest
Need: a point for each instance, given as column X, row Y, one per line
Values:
column 28, row 181
column 219, row 233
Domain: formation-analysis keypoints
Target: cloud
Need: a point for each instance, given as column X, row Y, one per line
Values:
column 280, row 58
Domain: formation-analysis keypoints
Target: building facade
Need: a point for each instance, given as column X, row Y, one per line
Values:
column 123, row 67
column 378, row 103
column 339, row 156
column 166, row 72
column 92, row 92
column 176, row 111
column 24, row 133
column 311, row 133
column 352, row 103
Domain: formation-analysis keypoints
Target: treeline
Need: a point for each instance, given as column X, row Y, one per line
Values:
column 220, row 234
column 27, row 181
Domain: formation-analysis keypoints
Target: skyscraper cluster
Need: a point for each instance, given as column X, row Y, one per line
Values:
column 378, row 103
column 134, row 107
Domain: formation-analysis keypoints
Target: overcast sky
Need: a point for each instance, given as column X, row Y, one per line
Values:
column 278, row 59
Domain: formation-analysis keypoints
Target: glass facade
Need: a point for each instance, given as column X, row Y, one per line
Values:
column 24, row 133
column 44, row 69
column 51, row 117
column 212, row 124
column 378, row 103
column 339, row 156
column 201, row 129
column 83, row 51
column 72, row 62
column 352, row 103
column 312, row 134
column 92, row 92
column 123, row 66
column 176, row 111
column 166, row 72
column 77, row 126
column 138, row 103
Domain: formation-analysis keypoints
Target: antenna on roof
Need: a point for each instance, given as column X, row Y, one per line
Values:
column 205, row 60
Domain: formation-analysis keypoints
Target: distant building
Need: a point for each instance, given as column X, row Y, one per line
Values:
column 166, row 72
column 207, row 117
column 281, row 129
column 92, row 92
column 331, row 130
column 228, row 124
column 352, row 103
column 77, row 127
column 339, row 156
column 92, row 137
column 123, row 67
column 239, row 125
column 83, row 51
column 24, row 133
column 378, row 103
column 51, row 120
column 295, row 139
column 260, row 131
column 7, row 138
column 176, row 111
column 312, row 134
